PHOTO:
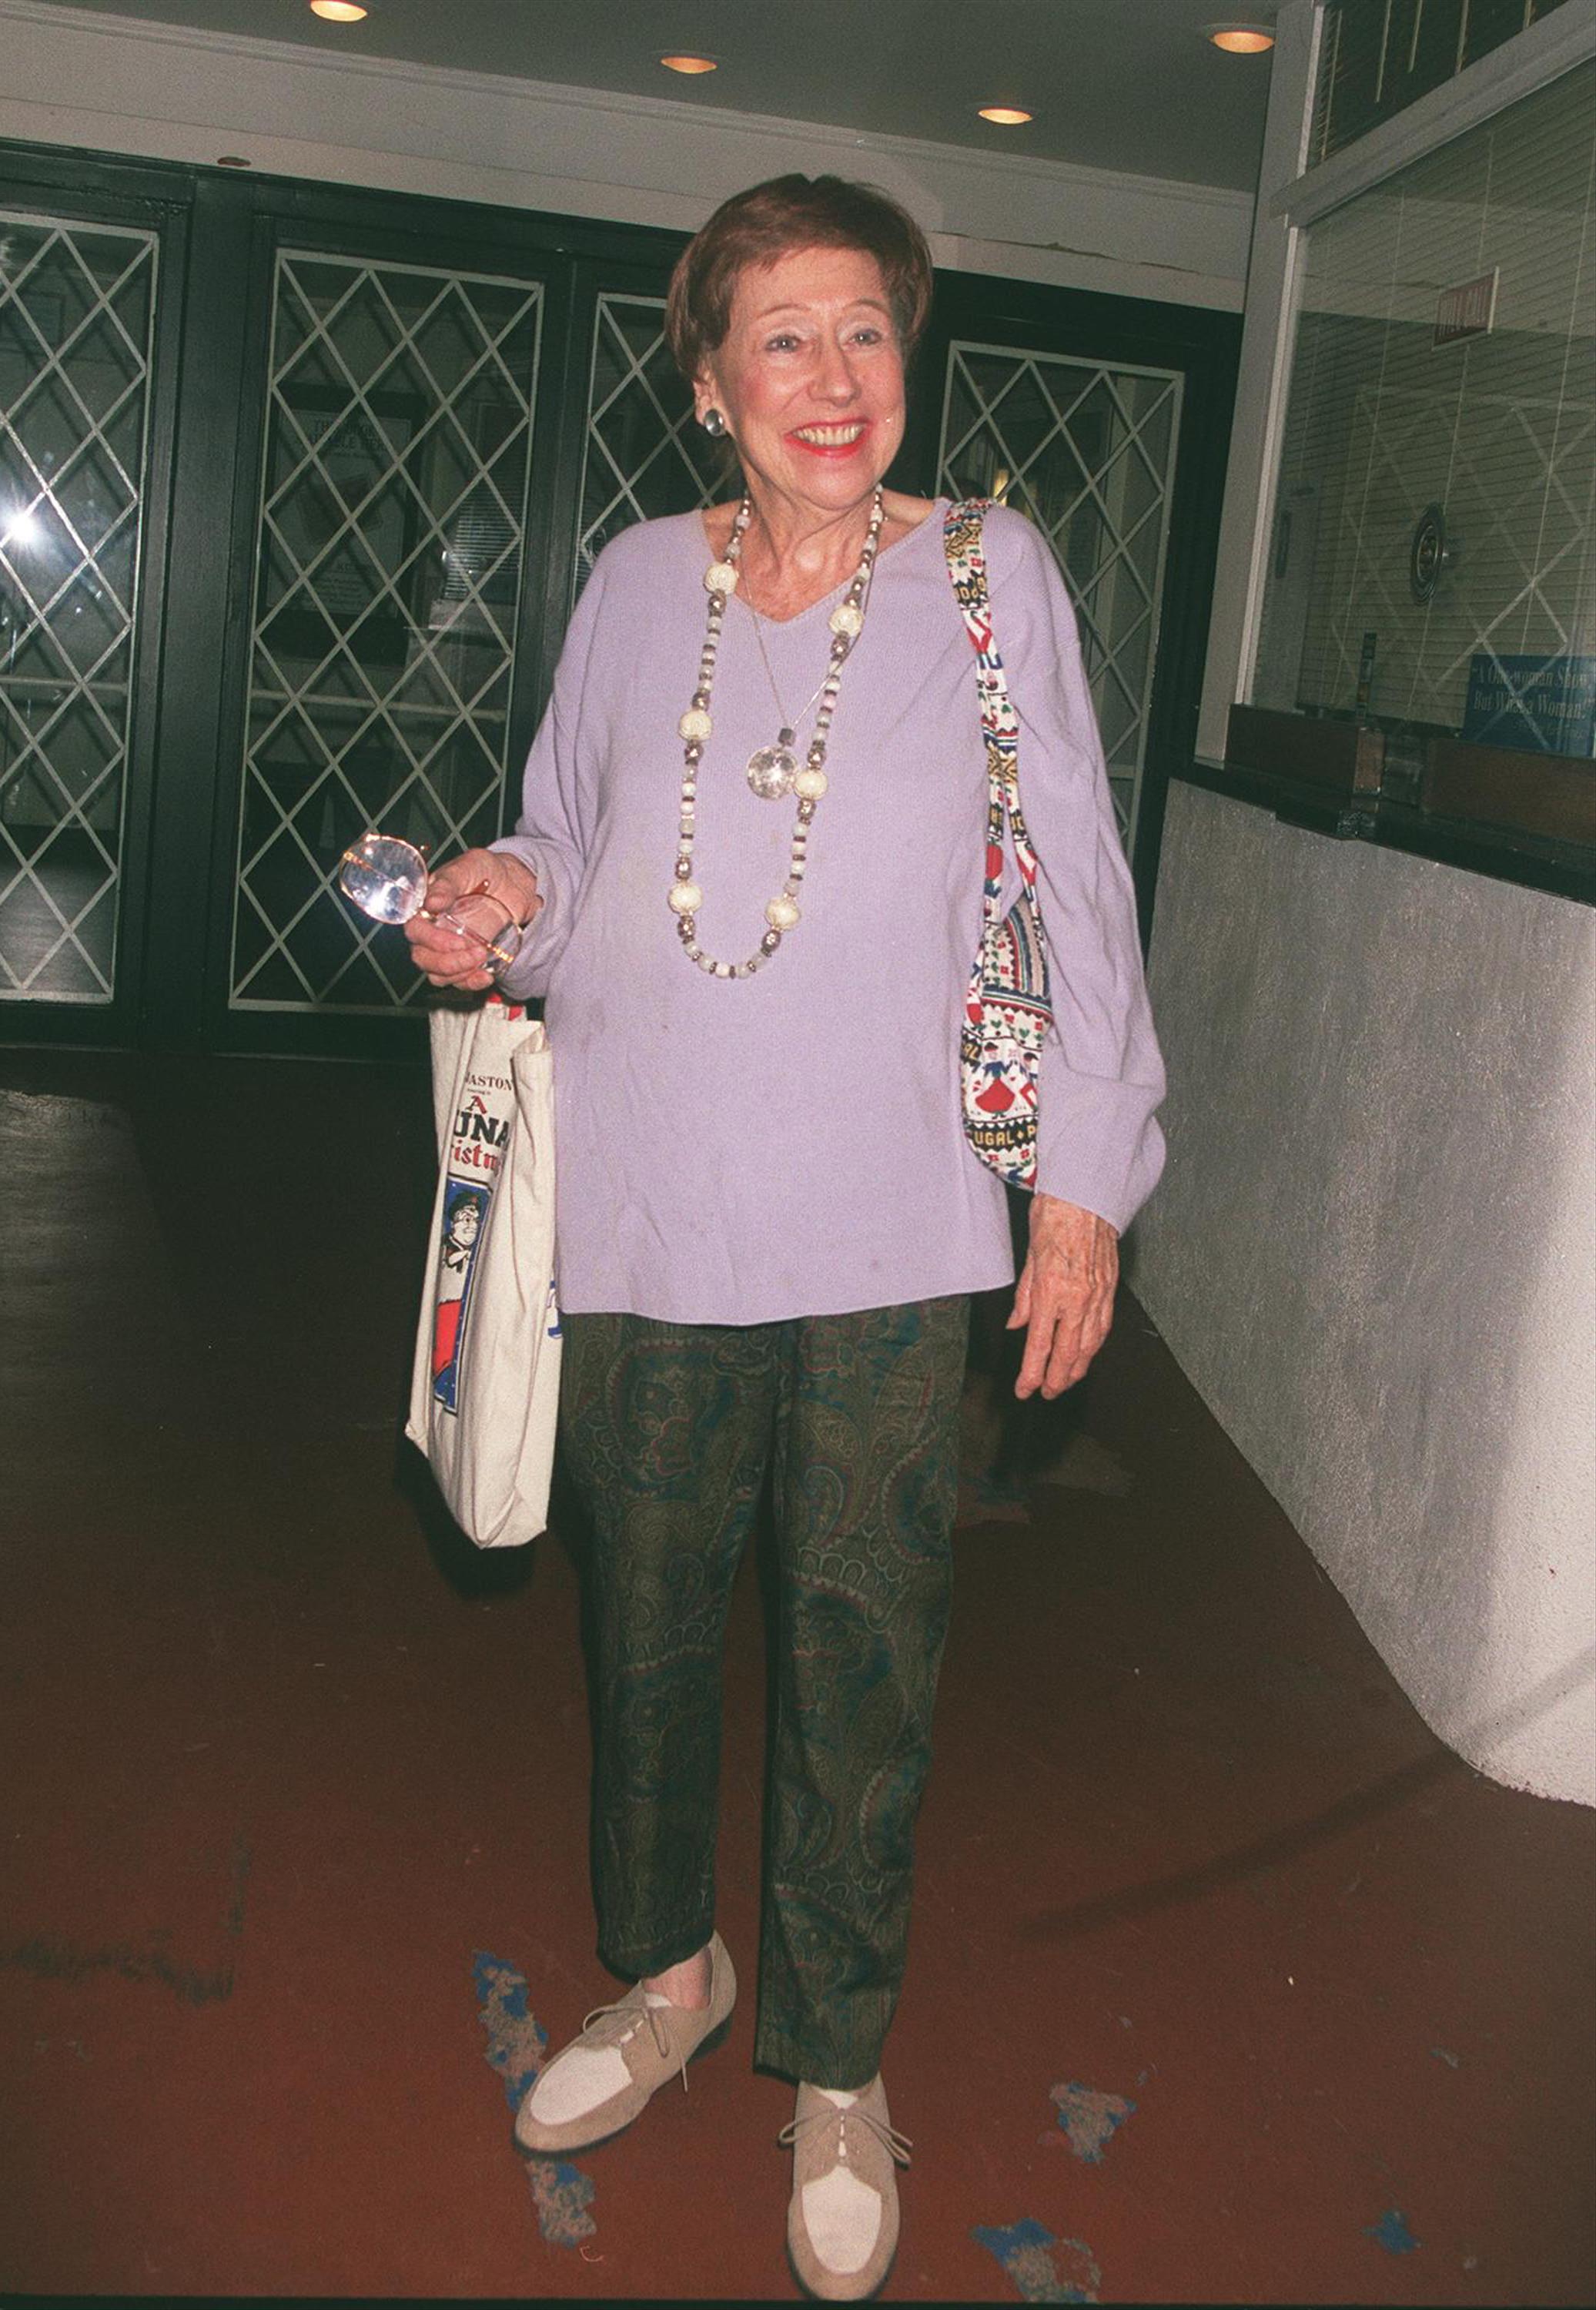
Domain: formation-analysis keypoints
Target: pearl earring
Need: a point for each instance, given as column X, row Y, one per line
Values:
column 714, row 423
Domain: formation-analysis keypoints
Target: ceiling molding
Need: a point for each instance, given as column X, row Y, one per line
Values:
column 394, row 72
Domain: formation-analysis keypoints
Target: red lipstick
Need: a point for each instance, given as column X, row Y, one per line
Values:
column 830, row 448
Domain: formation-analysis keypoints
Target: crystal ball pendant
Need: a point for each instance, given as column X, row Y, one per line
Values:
column 772, row 770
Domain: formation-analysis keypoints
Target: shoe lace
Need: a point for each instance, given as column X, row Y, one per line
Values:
column 612, row 2025
column 896, row 2145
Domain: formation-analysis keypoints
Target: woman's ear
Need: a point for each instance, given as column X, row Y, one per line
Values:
column 704, row 394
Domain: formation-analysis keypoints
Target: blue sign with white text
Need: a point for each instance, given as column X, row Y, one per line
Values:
column 1544, row 705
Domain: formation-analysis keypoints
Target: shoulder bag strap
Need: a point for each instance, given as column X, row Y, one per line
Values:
column 967, row 566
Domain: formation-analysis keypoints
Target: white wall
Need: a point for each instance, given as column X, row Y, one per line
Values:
column 112, row 85
column 1374, row 1249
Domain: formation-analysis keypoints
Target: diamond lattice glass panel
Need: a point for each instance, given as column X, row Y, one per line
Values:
column 645, row 455
column 1088, row 453
column 77, row 310
column 396, row 464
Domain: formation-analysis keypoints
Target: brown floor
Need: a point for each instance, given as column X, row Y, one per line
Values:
column 1229, row 1982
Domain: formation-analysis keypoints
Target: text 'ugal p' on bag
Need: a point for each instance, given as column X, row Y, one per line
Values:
column 485, row 1385
column 1007, row 1010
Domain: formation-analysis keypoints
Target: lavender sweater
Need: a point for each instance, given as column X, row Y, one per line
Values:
column 741, row 1152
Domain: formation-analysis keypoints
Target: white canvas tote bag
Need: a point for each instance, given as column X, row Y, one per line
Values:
column 485, row 1387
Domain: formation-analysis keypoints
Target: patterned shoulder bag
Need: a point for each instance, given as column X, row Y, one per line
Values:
column 1007, row 1012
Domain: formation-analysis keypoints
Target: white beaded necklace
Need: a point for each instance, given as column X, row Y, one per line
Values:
column 773, row 771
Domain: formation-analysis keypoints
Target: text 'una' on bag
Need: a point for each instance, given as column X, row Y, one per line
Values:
column 485, row 1383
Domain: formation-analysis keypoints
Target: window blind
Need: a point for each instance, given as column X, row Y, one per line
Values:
column 1378, row 55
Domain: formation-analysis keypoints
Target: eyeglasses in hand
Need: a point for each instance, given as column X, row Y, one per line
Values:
column 386, row 878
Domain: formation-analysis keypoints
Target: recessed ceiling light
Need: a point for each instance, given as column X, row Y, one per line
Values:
column 1007, row 116
column 689, row 64
column 339, row 11
column 1241, row 40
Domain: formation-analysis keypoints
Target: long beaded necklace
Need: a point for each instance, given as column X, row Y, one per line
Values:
column 773, row 771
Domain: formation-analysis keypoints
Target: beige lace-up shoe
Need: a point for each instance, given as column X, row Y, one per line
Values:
column 601, row 2080
column 841, row 2243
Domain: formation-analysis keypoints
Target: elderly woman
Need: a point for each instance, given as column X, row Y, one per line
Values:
column 749, row 865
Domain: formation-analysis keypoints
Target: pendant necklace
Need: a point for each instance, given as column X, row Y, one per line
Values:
column 773, row 771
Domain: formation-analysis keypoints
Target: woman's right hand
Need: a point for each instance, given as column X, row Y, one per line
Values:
column 483, row 889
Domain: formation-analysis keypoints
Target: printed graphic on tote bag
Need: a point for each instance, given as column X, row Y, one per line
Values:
column 476, row 1149
column 465, row 1225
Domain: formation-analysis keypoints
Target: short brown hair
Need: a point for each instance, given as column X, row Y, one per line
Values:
column 773, row 219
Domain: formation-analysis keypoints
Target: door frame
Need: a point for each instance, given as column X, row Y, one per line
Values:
column 570, row 264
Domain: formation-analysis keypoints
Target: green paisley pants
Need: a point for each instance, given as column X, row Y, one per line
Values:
column 669, row 1428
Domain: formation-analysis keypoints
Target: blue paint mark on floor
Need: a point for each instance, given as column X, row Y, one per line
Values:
column 516, row 2044
column 1043, row 2268
column 562, row 2194
column 1090, row 2120
column 1393, row 2232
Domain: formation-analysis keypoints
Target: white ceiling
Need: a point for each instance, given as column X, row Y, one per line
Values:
column 1127, row 84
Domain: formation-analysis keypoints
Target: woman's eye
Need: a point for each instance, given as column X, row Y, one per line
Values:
column 784, row 343
column 867, row 335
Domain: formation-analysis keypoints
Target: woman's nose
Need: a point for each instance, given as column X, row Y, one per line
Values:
column 834, row 379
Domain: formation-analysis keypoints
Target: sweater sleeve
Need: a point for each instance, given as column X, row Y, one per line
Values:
column 558, row 796
column 1102, row 1077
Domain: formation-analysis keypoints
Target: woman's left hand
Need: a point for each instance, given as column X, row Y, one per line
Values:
column 1064, row 1297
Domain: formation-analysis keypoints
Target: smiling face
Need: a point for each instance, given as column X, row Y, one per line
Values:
column 809, row 379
